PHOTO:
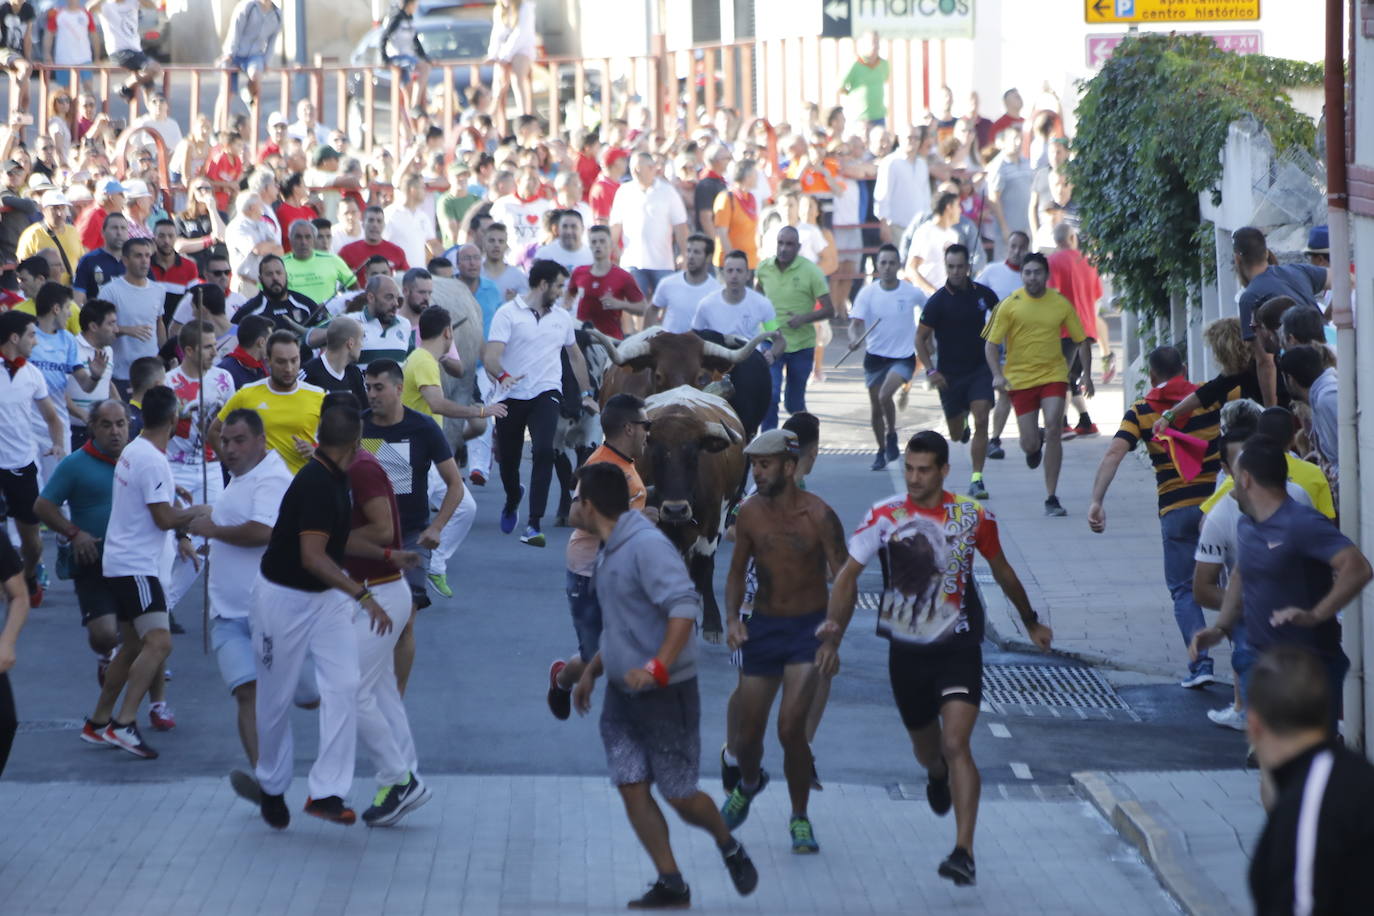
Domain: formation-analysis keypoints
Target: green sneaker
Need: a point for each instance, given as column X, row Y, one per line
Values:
column 440, row 584
column 803, row 840
column 736, row 807
column 533, row 537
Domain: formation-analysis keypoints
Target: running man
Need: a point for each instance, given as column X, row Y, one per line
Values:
column 793, row 538
column 933, row 621
column 955, row 318
column 1036, row 377
column 1004, row 278
column 889, row 351
column 651, row 711
column 289, row 407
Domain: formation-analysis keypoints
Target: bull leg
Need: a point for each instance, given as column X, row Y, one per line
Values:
column 703, row 570
column 562, row 466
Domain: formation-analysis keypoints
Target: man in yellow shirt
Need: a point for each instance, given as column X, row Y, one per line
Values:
column 290, row 408
column 1036, row 375
column 53, row 231
column 424, row 387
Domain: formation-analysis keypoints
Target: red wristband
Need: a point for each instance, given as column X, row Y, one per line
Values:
column 503, row 376
column 658, row 670
column 386, row 554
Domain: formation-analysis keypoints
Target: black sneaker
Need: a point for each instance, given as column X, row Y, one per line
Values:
column 661, row 897
column 967, row 435
column 394, row 802
column 958, row 867
column 815, row 778
column 247, row 788
column 729, row 772
column 330, row 808
column 995, row 450
column 274, row 811
column 560, row 700
column 879, row 461
column 1033, row 458
column 893, row 452
column 126, row 93
column 742, row 870
column 937, row 793
column 1053, row 509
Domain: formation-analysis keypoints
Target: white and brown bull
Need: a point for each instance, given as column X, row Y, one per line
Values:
column 693, row 465
column 457, row 300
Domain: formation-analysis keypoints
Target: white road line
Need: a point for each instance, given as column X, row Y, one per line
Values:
column 998, row 730
column 1021, row 770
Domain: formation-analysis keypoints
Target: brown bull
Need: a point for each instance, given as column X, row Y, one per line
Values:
column 658, row 360
column 694, row 464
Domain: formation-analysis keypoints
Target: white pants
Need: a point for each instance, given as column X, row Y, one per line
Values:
column 479, row 449
column 459, row 524
column 287, row 623
column 383, row 729
column 184, row 574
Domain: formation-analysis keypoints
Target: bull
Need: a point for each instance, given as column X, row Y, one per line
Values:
column 466, row 314
column 656, row 360
column 695, row 461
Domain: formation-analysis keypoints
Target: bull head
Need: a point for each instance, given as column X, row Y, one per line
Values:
column 633, row 352
column 718, row 437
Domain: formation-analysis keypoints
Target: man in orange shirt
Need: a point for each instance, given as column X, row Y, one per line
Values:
column 1077, row 280
column 736, row 215
column 626, row 429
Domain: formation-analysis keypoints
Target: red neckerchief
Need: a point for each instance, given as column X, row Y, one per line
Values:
column 1011, row 266
column 90, row 449
column 746, row 201
column 244, row 359
column 539, row 195
column 712, row 173
column 14, row 366
column 1162, row 397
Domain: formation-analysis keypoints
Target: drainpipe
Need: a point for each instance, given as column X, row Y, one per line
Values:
column 1346, row 350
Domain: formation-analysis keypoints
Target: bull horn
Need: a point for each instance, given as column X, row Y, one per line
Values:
column 459, row 323
column 737, row 355
column 722, row 431
column 624, row 351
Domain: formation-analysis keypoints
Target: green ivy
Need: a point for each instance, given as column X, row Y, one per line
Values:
column 1151, row 127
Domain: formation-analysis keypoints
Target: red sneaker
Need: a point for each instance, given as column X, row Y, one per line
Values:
column 95, row 734
column 161, row 717
column 477, row 478
column 560, row 700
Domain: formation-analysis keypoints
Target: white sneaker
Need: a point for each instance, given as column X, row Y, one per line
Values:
column 1228, row 717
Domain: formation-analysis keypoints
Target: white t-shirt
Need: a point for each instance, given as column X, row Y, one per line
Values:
column 85, row 352
column 524, row 222
column 136, row 305
column 167, row 128
column 251, row 497
column 742, row 319
column 679, row 300
column 338, row 238
column 1001, row 279
column 895, row 336
column 512, row 278
column 647, row 219
column 18, row 396
column 532, row 346
column 1216, row 541
column 232, row 303
column 187, row 446
column 553, row 251
column 71, row 36
column 119, row 24
column 133, row 541
column 409, row 230
column 929, row 244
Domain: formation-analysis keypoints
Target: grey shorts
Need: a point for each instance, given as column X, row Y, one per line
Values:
column 417, row 578
column 654, row 736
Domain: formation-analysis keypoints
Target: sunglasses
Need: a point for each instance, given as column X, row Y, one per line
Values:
column 220, row 273
column 647, row 424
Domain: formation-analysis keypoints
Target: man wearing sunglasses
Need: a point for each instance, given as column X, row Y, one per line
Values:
column 218, row 272
column 626, row 430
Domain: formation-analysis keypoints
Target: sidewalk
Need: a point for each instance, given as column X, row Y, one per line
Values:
column 547, row 845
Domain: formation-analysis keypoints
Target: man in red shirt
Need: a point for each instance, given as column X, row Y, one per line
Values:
column 175, row 273
column 224, row 168
column 587, row 167
column 602, row 194
column 356, row 254
column 276, row 132
column 602, row 292
column 109, row 198
column 1077, row 280
column 1012, row 102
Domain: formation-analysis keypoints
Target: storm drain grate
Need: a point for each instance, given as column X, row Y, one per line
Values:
column 838, row 450
column 1049, row 685
column 50, row 725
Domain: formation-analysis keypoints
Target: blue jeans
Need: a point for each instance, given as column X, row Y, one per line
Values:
column 586, row 615
column 1336, row 667
column 647, row 280
column 798, row 364
column 1180, row 531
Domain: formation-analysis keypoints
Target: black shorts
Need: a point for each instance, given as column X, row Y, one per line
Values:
column 137, row 595
column 961, row 391
column 924, row 680
column 1074, row 357
column 776, row 642
column 133, row 61
column 94, row 594
column 19, row 491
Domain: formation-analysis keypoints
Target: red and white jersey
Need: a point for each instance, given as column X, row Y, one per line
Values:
column 186, row 445
column 927, row 564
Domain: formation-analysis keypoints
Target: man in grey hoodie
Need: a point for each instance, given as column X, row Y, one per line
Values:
column 650, row 718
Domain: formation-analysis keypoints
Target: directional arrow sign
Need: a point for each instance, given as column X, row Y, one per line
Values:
column 1097, row 12
column 835, row 19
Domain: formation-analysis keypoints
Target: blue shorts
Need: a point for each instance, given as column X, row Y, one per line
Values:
column 962, row 391
column 876, row 368
column 586, row 615
column 251, row 64
column 776, row 642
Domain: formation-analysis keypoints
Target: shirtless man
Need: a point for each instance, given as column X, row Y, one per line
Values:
column 792, row 537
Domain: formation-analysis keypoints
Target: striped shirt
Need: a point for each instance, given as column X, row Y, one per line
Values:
column 1175, row 492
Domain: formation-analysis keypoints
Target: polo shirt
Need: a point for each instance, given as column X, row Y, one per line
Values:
column 1174, row 492
column 793, row 290
column 319, row 373
column 136, row 305
column 84, row 481
column 421, row 370
column 958, row 318
column 1030, row 329
column 391, row 341
column 254, row 496
column 318, row 277
column 18, row 447
column 293, row 305
column 96, row 268
column 1305, row 475
column 646, row 219
column 317, row 501
column 285, row 414
column 533, row 341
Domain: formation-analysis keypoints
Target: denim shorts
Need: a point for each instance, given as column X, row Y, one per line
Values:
column 654, row 736
column 252, row 64
column 232, row 640
column 586, row 615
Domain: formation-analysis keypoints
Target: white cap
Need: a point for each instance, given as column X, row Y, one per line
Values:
column 276, row 118
column 53, row 199
column 135, row 188
column 78, row 192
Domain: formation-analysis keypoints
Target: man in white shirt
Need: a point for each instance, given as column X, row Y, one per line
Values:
column 647, row 217
column 409, row 226
column 522, row 358
column 142, row 511
column 902, row 190
column 124, row 42
column 887, row 311
column 522, row 212
column 926, row 258
column 676, row 299
column 735, row 309
column 569, row 248
column 99, row 325
column 22, row 390
column 306, row 128
column 139, row 302
column 238, row 529
column 249, row 237
column 160, row 120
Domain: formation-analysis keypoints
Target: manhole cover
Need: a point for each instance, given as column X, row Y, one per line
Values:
column 50, row 725
column 1049, row 685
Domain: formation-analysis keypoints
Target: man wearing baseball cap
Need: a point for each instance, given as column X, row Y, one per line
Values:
column 109, row 198
column 276, row 136
column 613, row 168
column 138, row 206
column 53, row 231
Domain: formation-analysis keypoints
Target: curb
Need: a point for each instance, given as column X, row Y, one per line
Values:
column 1159, row 841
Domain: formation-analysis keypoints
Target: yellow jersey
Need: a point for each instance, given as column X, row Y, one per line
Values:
column 421, row 371
column 286, row 415
column 1303, row 473
column 1031, row 329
